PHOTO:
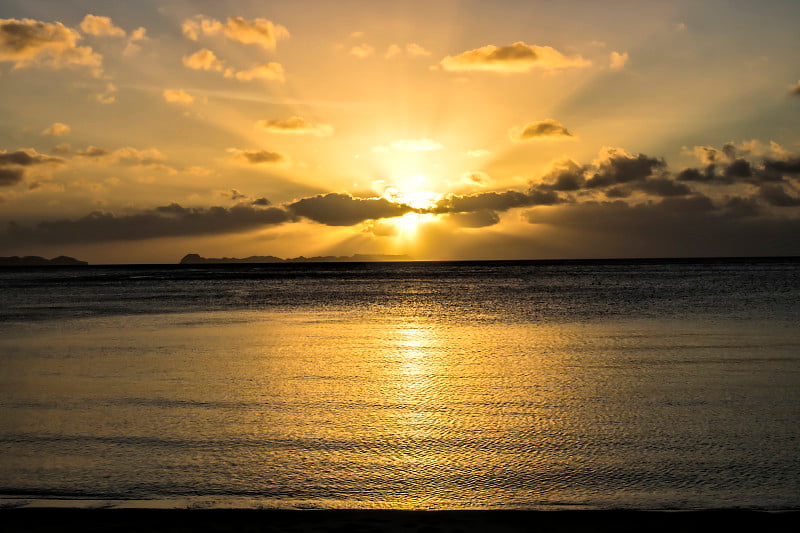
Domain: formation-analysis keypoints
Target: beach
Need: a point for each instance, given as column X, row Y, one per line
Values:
column 361, row 521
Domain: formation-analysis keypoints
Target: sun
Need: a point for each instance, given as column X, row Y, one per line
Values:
column 412, row 192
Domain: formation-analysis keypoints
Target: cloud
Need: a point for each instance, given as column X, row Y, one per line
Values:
column 61, row 149
column 795, row 89
column 670, row 228
column 495, row 201
column 478, row 153
column 127, row 155
column 57, row 129
column 26, row 158
column 10, row 176
column 565, row 175
column 475, row 219
column 776, row 195
column 193, row 28
column 393, row 51
column 296, row 126
column 475, row 177
column 515, row 58
column 729, row 165
column 545, row 129
column 618, row 61
column 29, row 42
column 336, row 209
column 410, row 145
column 101, row 26
column 13, row 165
column 409, row 50
column 260, row 31
column 166, row 221
column 663, row 187
column 107, row 96
column 416, row 50
column 362, row 51
column 615, row 166
column 204, row 59
column 269, row 71
column 258, row 157
column 177, row 96
column 137, row 35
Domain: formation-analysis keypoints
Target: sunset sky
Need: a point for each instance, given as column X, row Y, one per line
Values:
column 136, row 132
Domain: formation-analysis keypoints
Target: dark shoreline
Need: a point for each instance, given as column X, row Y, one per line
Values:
column 611, row 261
column 33, row 520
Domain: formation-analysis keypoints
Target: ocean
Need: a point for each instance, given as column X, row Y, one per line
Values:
column 653, row 384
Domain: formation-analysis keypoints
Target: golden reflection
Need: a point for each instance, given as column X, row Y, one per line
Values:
column 417, row 379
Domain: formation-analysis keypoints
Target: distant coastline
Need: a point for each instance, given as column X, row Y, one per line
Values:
column 35, row 260
column 196, row 259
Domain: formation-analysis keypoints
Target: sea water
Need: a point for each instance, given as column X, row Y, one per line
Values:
column 616, row 384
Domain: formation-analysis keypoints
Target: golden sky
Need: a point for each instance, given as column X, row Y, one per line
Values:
column 137, row 132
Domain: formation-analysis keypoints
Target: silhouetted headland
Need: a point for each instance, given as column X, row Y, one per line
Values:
column 35, row 260
column 195, row 259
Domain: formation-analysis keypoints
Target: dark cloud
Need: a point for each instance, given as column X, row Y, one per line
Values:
column 777, row 196
column 495, row 201
column 674, row 227
column 13, row 165
column 566, row 175
column 26, row 158
column 337, row 209
column 738, row 168
column 475, row 219
column 617, row 166
column 695, row 204
column 165, row 221
column 699, row 175
column 790, row 165
column 545, row 129
column 619, row 192
column 663, row 187
column 262, row 202
column 257, row 157
column 10, row 176
column 738, row 206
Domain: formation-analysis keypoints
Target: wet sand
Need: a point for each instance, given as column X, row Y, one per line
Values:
column 34, row 520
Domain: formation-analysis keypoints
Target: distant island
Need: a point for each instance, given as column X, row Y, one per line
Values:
column 195, row 259
column 35, row 260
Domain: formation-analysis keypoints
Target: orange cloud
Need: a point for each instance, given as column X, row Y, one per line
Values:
column 57, row 129
column 101, row 26
column 618, row 61
column 514, row 58
column 178, row 96
column 362, row 51
column 203, row 59
column 269, row 71
column 29, row 42
column 259, row 31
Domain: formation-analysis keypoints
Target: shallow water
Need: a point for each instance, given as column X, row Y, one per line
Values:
column 489, row 385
